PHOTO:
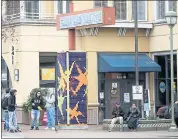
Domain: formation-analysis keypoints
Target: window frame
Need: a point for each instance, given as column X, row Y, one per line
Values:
column 23, row 10
column 13, row 8
column 155, row 97
column 166, row 10
column 100, row 1
column 127, row 15
column 146, row 12
column 167, row 5
column 64, row 7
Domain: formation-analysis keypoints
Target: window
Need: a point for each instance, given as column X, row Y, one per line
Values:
column 163, row 80
column 67, row 6
column 164, row 6
column 32, row 9
column 121, row 9
column 141, row 10
column 59, row 6
column 5, row 78
column 47, row 70
column 98, row 3
column 13, row 7
column 160, row 10
column 172, row 6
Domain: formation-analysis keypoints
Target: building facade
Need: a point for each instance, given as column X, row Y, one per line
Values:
column 109, row 51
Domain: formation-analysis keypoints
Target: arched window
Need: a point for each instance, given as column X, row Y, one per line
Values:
column 5, row 78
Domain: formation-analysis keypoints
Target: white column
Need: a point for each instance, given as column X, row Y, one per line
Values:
column 22, row 9
column 64, row 6
column 41, row 9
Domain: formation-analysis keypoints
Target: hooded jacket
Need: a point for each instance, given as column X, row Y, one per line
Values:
column 50, row 100
column 118, row 111
column 11, row 101
column 37, row 101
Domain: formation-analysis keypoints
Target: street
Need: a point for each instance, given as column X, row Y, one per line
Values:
column 92, row 132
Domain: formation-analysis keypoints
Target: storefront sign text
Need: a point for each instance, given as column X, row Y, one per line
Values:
column 83, row 19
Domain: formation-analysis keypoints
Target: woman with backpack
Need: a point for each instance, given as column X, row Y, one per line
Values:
column 50, row 109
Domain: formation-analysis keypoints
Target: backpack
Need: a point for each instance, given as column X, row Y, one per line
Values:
column 55, row 102
column 167, row 113
column 4, row 103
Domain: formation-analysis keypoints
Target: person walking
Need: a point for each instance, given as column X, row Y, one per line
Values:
column 50, row 109
column 13, row 127
column 5, row 109
column 133, row 116
column 37, row 105
column 118, row 114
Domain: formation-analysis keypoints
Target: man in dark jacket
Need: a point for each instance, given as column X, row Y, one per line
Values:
column 37, row 104
column 118, row 114
column 11, row 110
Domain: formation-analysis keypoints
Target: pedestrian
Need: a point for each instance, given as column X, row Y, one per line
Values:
column 176, row 113
column 118, row 114
column 5, row 109
column 37, row 105
column 50, row 109
column 133, row 116
column 13, row 127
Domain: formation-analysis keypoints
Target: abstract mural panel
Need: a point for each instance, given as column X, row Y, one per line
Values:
column 78, row 88
column 75, row 109
column 61, row 69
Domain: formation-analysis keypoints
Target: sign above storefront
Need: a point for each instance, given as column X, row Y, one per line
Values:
column 86, row 18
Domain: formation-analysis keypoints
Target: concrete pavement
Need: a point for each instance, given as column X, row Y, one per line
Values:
column 92, row 132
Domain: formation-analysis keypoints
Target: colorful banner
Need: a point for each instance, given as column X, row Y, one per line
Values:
column 76, row 78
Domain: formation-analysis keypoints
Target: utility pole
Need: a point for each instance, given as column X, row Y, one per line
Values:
column 136, row 47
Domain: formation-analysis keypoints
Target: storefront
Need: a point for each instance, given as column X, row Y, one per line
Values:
column 163, row 80
column 117, row 76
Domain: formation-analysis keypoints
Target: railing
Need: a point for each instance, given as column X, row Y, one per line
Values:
column 25, row 17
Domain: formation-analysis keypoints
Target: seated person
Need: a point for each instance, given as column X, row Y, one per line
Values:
column 133, row 116
column 118, row 114
column 163, row 112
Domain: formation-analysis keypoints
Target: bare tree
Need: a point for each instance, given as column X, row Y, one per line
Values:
column 8, row 30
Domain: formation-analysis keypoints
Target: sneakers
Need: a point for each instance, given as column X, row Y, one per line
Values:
column 33, row 128
column 18, row 130
column 52, row 128
column 11, row 131
column 46, row 128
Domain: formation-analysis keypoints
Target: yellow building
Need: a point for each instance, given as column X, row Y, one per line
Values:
column 36, row 43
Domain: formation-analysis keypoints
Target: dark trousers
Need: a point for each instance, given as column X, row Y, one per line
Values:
column 176, row 121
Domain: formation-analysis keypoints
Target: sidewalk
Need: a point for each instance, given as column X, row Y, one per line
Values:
column 92, row 132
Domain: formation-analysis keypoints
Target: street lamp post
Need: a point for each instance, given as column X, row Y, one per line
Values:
column 171, row 18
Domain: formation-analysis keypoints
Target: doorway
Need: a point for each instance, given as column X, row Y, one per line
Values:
column 120, row 90
column 122, row 93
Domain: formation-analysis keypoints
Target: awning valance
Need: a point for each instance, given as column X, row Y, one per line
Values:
column 114, row 62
